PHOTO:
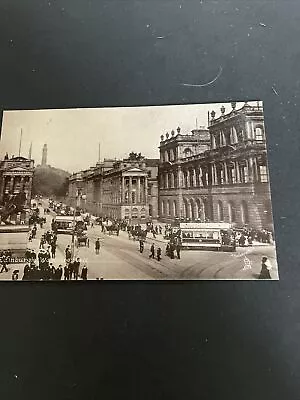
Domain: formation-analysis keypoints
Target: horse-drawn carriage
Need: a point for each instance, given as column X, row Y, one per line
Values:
column 82, row 239
column 113, row 229
column 81, row 235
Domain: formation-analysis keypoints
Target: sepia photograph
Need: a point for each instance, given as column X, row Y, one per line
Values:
column 177, row 192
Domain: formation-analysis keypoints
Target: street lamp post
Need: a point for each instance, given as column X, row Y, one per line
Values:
column 79, row 196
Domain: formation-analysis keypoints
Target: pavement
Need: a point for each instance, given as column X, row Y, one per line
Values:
column 119, row 259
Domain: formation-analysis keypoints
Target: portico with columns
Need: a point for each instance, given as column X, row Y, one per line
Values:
column 125, row 193
column 16, row 176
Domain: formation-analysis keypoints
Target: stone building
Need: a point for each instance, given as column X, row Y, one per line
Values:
column 16, row 177
column 219, row 174
column 118, row 189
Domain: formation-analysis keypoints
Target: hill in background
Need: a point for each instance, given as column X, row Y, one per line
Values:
column 49, row 181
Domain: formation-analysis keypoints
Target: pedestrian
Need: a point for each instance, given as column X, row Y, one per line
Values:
column 178, row 248
column 152, row 251
column 97, row 246
column 84, row 272
column 71, row 269
column 153, row 233
column 4, row 262
column 158, row 254
column 141, row 246
column 26, row 273
column 160, row 229
column 66, row 272
column 172, row 248
column 52, row 269
column 53, row 249
column 58, row 273
column 68, row 254
column 168, row 249
column 15, row 275
column 76, row 265
column 265, row 269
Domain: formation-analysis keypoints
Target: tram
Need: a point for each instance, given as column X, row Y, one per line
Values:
column 205, row 236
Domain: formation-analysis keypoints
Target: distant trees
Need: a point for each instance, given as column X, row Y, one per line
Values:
column 133, row 156
column 50, row 182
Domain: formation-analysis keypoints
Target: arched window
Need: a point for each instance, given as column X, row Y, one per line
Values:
column 166, row 180
column 172, row 180
column 220, row 211
column 187, row 152
column 174, row 208
column 135, row 213
column 234, row 137
column 162, row 181
column 213, row 142
column 168, row 207
column 172, row 156
column 263, row 172
column 143, row 213
column 244, row 212
column 222, row 139
column 162, row 208
column 231, row 212
column 259, row 134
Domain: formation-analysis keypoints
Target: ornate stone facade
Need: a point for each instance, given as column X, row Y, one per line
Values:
column 219, row 174
column 117, row 189
column 15, row 177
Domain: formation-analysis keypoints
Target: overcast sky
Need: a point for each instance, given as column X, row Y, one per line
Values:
column 73, row 135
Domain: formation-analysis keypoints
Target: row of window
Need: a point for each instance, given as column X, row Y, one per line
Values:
column 198, row 210
column 233, row 137
column 192, row 179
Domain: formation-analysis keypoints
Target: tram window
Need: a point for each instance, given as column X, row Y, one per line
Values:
column 187, row 235
column 216, row 235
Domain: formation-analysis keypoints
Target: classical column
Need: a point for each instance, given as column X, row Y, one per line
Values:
column 200, row 172
column 11, row 188
column 214, row 174
column 237, row 172
column 2, row 188
column 22, row 184
column 138, row 189
column 250, row 169
column 130, row 191
column 123, row 189
column 194, row 178
column 255, row 170
column 166, row 180
column 188, row 178
column 226, row 173
column 179, row 180
column 145, row 190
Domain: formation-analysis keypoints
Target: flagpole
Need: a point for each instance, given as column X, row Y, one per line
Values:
column 20, row 142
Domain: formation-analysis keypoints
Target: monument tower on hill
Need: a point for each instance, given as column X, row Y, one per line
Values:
column 44, row 155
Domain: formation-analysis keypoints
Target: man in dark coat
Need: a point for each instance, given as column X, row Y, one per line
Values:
column 152, row 251
column 71, row 269
column 66, row 273
column 84, row 273
column 97, row 246
column 141, row 246
column 158, row 254
column 53, row 249
column 76, row 265
column 178, row 248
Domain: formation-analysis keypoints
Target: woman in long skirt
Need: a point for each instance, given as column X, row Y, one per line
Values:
column 265, row 269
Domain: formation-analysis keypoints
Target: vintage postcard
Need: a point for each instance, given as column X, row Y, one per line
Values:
column 136, row 193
